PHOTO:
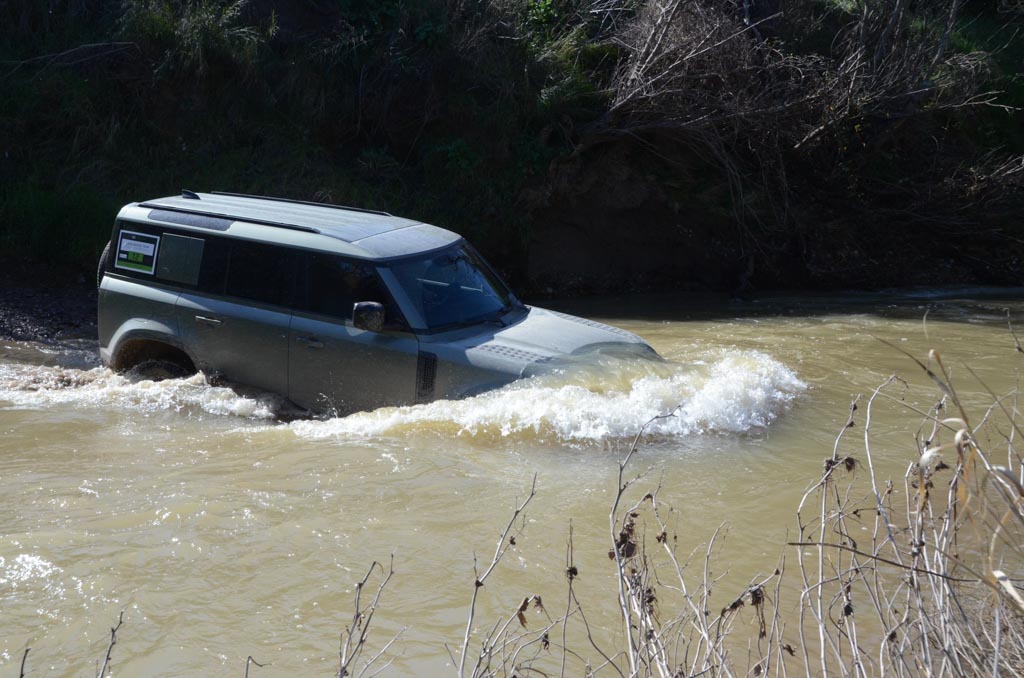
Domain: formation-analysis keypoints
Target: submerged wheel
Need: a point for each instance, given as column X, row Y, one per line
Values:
column 102, row 265
column 156, row 370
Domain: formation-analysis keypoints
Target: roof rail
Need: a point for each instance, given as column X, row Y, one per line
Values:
column 303, row 202
column 229, row 217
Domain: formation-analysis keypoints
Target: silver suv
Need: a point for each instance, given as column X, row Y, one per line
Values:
column 339, row 309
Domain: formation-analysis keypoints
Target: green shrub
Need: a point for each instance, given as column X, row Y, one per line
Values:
column 56, row 227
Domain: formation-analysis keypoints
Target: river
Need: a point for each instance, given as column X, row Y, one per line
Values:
column 225, row 530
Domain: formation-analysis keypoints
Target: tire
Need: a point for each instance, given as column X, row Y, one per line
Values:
column 156, row 370
column 103, row 265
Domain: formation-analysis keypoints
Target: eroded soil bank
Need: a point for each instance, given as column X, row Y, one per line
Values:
column 45, row 307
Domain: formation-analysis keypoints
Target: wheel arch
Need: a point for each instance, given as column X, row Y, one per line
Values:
column 138, row 347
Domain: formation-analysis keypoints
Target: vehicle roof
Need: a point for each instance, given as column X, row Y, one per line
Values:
column 346, row 230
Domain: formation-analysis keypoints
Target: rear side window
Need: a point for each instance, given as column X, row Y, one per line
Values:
column 211, row 264
column 259, row 272
column 180, row 257
column 144, row 251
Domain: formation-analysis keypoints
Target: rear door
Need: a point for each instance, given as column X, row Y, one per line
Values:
column 334, row 367
column 236, row 323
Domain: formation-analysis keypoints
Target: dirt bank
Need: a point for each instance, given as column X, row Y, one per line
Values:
column 48, row 307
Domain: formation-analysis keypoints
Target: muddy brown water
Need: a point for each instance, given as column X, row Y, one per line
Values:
column 223, row 531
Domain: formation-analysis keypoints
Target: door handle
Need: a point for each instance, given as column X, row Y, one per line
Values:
column 311, row 342
column 207, row 321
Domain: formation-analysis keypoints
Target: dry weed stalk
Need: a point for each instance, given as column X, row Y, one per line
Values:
column 509, row 647
column 249, row 661
column 353, row 638
column 927, row 590
column 497, row 641
column 670, row 627
column 110, row 646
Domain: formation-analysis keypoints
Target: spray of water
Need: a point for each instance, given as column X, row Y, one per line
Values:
column 32, row 386
column 735, row 391
column 728, row 391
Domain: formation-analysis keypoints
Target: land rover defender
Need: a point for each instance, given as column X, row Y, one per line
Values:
column 339, row 309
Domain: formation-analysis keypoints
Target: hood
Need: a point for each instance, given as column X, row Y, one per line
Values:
column 472, row 360
column 562, row 334
column 545, row 339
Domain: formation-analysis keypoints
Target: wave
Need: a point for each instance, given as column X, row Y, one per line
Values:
column 729, row 391
column 732, row 392
column 48, row 386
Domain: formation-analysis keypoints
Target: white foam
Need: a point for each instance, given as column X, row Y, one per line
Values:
column 43, row 386
column 732, row 391
column 729, row 391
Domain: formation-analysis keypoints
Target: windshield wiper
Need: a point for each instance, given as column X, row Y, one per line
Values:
column 512, row 305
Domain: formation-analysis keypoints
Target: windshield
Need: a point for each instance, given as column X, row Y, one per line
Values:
column 453, row 287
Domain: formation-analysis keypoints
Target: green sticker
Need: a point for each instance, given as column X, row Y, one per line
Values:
column 137, row 252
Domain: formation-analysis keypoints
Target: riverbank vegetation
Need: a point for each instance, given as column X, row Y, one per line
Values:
column 583, row 144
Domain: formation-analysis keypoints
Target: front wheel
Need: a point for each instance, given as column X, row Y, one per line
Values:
column 156, row 370
column 103, row 264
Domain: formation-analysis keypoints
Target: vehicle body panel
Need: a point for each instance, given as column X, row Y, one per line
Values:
column 534, row 341
column 236, row 340
column 335, row 367
column 130, row 310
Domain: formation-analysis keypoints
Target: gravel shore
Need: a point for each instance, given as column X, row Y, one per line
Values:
column 61, row 308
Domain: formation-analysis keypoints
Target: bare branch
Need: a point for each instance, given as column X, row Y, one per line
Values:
column 110, row 647
column 502, row 547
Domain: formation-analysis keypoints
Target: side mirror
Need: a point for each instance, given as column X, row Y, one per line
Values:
column 368, row 315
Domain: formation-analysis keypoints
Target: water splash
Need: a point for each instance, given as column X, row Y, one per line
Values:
column 47, row 386
column 731, row 392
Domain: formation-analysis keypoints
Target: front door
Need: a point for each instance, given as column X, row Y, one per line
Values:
column 337, row 369
column 333, row 367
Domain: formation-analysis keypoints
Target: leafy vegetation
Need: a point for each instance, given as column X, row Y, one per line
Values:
column 789, row 142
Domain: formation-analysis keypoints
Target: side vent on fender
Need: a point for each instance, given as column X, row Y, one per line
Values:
column 426, row 372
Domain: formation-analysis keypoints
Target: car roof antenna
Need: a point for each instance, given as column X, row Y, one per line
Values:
column 191, row 195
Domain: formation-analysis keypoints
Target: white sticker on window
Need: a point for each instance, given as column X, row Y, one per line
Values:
column 137, row 252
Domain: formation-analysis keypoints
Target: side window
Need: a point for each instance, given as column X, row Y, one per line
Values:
column 179, row 259
column 334, row 284
column 151, row 252
column 259, row 272
column 214, row 269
